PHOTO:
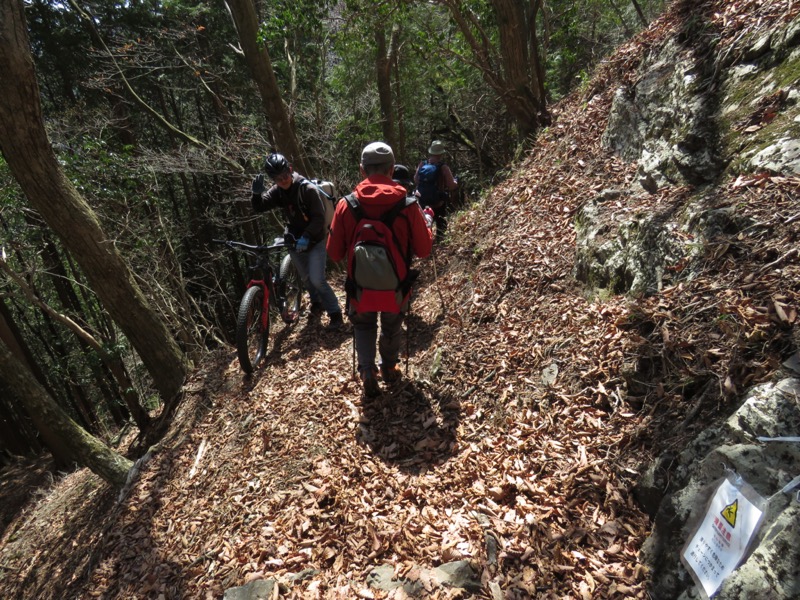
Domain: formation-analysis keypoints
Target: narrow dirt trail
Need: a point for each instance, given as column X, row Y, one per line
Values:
column 290, row 470
column 291, row 475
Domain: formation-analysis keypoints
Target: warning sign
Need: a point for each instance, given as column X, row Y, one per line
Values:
column 729, row 512
column 721, row 540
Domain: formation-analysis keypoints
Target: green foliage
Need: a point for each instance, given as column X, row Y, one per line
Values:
column 577, row 35
column 295, row 34
column 293, row 19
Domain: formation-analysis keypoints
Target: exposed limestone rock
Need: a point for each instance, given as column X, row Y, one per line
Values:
column 260, row 589
column 687, row 121
column 459, row 574
column 664, row 122
column 771, row 571
column 692, row 119
column 622, row 256
column 781, row 157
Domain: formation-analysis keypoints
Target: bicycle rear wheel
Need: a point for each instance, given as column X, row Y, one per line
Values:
column 291, row 290
column 252, row 331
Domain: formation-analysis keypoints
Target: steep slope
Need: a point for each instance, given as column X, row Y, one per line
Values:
column 534, row 404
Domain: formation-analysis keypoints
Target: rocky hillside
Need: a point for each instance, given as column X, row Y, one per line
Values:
column 613, row 298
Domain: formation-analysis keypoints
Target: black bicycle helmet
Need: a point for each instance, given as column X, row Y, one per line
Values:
column 401, row 173
column 275, row 165
column 402, row 176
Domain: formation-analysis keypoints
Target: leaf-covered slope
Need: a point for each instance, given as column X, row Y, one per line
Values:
column 532, row 405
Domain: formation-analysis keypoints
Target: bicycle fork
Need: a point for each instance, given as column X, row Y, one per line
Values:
column 265, row 303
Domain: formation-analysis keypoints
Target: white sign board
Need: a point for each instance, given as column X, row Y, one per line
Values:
column 721, row 540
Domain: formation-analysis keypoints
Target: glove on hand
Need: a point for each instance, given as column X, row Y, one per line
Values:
column 258, row 185
column 302, row 244
column 428, row 212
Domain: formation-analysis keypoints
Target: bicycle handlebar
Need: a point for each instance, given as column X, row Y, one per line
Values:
column 279, row 243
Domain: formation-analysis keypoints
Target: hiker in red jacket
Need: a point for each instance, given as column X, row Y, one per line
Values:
column 378, row 205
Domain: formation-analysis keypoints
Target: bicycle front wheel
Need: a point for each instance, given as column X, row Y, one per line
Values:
column 291, row 290
column 252, row 329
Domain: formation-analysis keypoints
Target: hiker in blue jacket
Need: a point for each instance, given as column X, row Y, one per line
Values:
column 434, row 181
column 304, row 209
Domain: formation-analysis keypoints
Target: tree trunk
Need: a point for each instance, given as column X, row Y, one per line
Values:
column 27, row 151
column 12, row 417
column 523, row 97
column 61, row 432
column 512, row 71
column 642, row 18
column 120, row 121
column 17, row 435
column 62, row 284
column 399, row 80
column 383, row 72
column 260, row 65
column 13, row 338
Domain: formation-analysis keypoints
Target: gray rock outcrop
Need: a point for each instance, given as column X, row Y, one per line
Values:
column 693, row 119
column 772, row 570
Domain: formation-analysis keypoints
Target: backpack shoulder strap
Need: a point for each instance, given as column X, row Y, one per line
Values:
column 301, row 202
column 303, row 183
column 390, row 215
column 355, row 206
column 310, row 182
column 316, row 184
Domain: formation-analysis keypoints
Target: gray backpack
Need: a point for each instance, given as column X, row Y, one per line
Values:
column 330, row 199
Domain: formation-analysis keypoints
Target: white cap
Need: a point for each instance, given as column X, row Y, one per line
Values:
column 377, row 153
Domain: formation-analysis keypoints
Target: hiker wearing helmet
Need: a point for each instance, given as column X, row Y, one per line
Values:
column 435, row 181
column 304, row 211
column 402, row 176
column 378, row 229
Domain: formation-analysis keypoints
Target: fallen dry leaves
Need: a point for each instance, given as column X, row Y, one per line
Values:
column 519, row 436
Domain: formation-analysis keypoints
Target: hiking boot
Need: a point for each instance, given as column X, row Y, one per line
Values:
column 316, row 309
column 369, row 377
column 336, row 323
column 391, row 374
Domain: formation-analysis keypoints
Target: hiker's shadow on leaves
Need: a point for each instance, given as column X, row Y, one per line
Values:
column 314, row 334
column 311, row 334
column 421, row 333
column 408, row 425
column 276, row 350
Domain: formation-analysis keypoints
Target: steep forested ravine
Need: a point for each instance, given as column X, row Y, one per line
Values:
column 514, row 443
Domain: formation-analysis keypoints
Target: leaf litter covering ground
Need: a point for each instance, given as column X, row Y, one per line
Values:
column 516, row 442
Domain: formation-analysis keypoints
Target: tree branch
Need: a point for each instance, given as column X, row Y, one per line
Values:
column 54, row 314
column 149, row 109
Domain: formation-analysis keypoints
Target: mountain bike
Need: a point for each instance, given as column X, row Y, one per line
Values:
column 274, row 291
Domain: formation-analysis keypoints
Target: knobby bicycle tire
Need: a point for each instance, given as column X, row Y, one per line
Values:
column 251, row 335
column 291, row 290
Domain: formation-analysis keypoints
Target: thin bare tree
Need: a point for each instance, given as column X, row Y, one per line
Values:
column 30, row 157
column 260, row 65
